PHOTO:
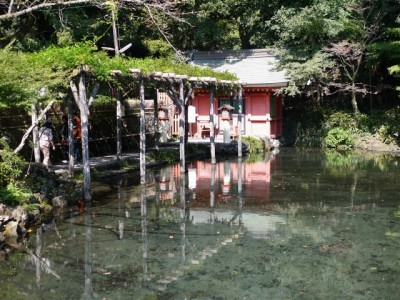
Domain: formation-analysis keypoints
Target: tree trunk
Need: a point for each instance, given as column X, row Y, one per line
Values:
column 354, row 99
column 244, row 38
column 318, row 94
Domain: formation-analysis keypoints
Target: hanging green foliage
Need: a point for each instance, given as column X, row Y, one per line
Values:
column 24, row 77
column 101, row 65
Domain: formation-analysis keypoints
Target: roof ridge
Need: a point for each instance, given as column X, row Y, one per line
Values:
column 224, row 54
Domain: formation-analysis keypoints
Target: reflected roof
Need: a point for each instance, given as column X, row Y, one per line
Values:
column 258, row 225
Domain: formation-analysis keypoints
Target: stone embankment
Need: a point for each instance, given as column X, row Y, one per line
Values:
column 374, row 144
column 50, row 195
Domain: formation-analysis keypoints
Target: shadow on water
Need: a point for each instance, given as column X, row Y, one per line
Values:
column 297, row 224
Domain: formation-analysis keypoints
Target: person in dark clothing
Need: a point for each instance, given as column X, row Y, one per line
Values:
column 77, row 137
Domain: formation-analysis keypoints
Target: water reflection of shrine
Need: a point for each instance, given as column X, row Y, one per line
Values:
column 255, row 178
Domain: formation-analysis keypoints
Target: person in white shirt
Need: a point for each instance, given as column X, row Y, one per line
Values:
column 46, row 142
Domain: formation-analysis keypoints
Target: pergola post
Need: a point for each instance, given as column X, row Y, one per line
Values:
column 35, row 133
column 71, row 150
column 212, row 133
column 240, row 114
column 80, row 94
column 142, row 135
column 118, row 114
column 156, row 122
column 182, row 128
column 84, row 115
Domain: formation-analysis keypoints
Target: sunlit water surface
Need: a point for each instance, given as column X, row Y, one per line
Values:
column 294, row 225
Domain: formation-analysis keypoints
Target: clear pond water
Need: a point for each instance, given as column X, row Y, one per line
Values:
column 293, row 225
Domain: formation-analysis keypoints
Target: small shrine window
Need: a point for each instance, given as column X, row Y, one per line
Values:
column 234, row 102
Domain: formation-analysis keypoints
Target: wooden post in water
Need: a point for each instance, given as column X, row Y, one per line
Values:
column 212, row 194
column 38, row 253
column 143, row 210
column 88, row 256
column 182, row 128
column 240, row 115
column 119, row 124
column 240, row 187
column 183, row 215
column 142, row 135
column 212, row 133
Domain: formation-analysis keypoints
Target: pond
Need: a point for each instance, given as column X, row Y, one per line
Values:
column 291, row 225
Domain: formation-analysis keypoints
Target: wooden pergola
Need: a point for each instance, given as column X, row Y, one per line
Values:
column 179, row 88
column 176, row 85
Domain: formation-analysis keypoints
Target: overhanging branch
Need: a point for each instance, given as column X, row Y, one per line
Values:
column 28, row 132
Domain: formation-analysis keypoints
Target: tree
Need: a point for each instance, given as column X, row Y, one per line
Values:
column 65, row 22
column 227, row 24
column 384, row 54
column 343, row 29
column 302, row 31
column 349, row 58
column 12, row 9
column 309, row 77
column 364, row 27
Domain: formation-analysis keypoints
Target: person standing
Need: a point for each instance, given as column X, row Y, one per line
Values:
column 77, row 136
column 46, row 142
